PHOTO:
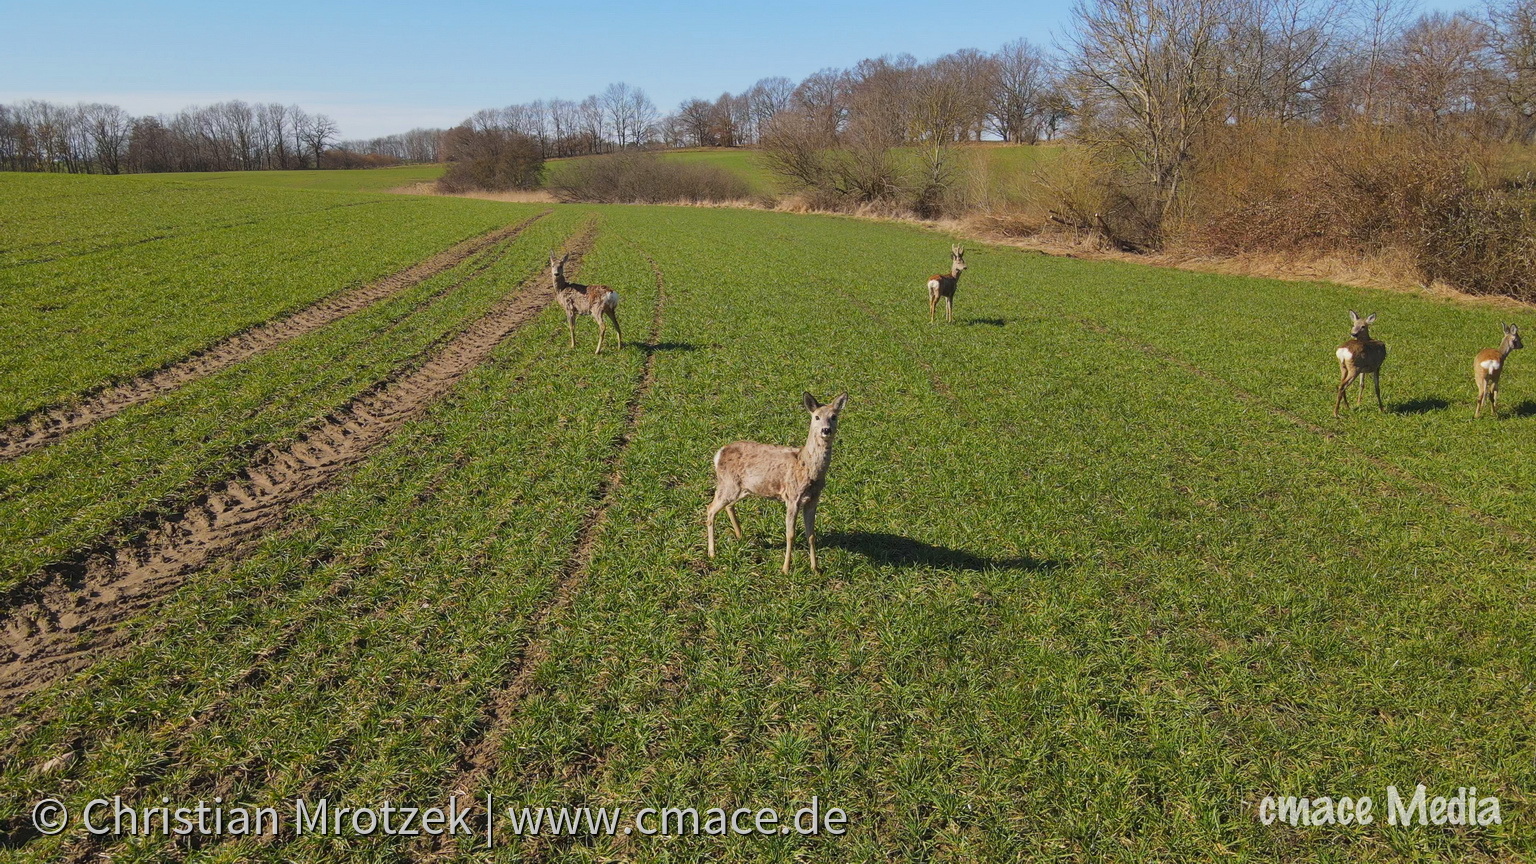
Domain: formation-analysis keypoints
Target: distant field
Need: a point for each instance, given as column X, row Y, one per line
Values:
column 1004, row 172
column 1099, row 569
column 360, row 180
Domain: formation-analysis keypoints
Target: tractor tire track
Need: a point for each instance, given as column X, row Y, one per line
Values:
column 478, row 759
column 48, row 425
column 72, row 618
column 938, row 384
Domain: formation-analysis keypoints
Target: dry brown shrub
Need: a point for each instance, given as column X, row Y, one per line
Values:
column 1357, row 190
column 1483, row 240
column 636, row 177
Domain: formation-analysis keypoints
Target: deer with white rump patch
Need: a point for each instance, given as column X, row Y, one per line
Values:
column 940, row 285
column 594, row 300
column 1359, row 356
column 794, row 476
column 1489, row 364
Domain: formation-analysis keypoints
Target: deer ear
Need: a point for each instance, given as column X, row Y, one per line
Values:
column 809, row 401
column 1370, row 319
column 839, row 402
column 1353, row 318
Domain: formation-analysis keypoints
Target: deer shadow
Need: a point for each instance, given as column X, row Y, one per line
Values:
column 653, row 347
column 990, row 322
column 897, row 551
column 1419, row 406
column 1524, row 409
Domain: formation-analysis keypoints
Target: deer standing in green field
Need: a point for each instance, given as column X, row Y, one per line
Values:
column 576, row 299
column 1488, row 365
column 795, row 476
column 943, row 286
column 1359, row 356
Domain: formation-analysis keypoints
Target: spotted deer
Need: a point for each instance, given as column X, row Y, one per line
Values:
column 941, row 285
column 1359, row 356
column 794, row 476
column 594, row 300
column 1489, row 364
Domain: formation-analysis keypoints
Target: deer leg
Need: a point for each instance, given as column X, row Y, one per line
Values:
column 791, row 513
column 1376, row 383
column 949, row 310
column 1493, row 398
column 810, row 533
column 730, row 510
column 1343, row 391
column 1482, row 393
column 613, row 315
column 715, row 507
column 570, row 326
column 933, row 305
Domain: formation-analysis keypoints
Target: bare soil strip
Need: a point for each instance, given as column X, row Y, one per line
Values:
column 48, row 425
column 480, row 755
column 72, row 618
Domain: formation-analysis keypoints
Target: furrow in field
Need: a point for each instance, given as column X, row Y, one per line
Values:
column 49, row 425
column 939, row 386
column 71, row 620
column 478, row 759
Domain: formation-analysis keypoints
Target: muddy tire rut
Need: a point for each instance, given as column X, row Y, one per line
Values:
column 71, row 618
column 479, row 756
column 51, row 424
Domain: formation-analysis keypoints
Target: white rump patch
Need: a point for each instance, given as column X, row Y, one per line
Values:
column 1344, row 355
column 717, row 458
column 1490, row 365
column 613, row 299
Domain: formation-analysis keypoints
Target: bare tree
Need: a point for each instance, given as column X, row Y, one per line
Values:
column 618, row 112
column 1149, row 72
column 1438, row 70
column 1021, row 88
column 109, row 127
column 318, row 132
column 1511, row 38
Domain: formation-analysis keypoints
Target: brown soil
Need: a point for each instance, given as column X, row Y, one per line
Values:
column 50, row 424
column 73, row 616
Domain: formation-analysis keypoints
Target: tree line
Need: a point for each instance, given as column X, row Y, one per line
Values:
column 226, row 136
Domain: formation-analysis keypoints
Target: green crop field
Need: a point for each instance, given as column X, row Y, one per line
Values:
column 1099, row 571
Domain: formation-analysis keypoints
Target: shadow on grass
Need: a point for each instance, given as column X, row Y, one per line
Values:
column 990, row 322
column 898, row 551
column 667, row 346
column 1524, row 409
column 1419, row 406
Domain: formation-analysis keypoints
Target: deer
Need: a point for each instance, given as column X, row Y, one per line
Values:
column 941, row 285
column 1359, row 356
column 1489, row 364
column 575, row 298
column 794, row 476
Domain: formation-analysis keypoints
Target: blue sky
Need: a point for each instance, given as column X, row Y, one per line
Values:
column 384, row 67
